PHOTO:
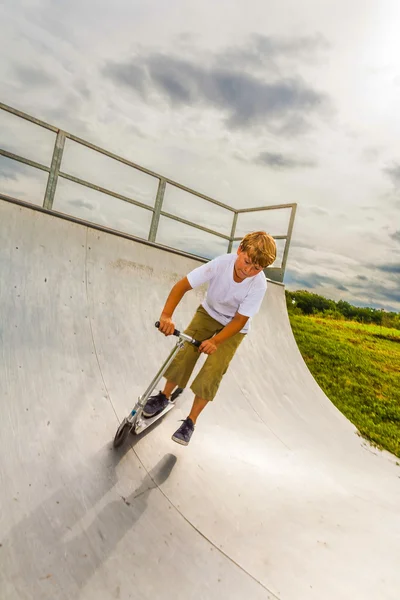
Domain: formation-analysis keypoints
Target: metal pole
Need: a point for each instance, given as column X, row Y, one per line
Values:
column 234, row 223
column 157, row 211
column 54, row 169
column 288, row 239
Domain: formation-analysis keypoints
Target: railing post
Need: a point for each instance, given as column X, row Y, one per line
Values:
column 234, row 223
column 157, row 210
column 288, row 239
column 54, row 170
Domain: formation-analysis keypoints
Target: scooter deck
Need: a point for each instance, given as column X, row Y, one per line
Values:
column 143, row 423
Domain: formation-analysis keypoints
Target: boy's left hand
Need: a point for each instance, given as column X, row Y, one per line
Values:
column 208, row 347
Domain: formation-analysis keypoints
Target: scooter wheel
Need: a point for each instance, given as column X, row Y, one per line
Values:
column 176, row 393
column 122, row 433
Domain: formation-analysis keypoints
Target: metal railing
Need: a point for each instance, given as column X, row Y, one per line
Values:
column 54, row 173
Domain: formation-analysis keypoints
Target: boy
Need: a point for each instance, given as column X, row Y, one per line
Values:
column 237, row 286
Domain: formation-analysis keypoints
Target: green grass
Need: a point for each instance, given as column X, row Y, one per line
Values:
column 358, row 368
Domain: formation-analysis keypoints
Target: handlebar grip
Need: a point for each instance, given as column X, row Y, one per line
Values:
column 176, row 332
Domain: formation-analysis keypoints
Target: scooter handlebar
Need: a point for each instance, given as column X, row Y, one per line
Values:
column 186, row 337
column 176, row 332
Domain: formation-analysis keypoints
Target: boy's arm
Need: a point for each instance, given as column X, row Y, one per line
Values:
column 175, row 296
column 238, row 322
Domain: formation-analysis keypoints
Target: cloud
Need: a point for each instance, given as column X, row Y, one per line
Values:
column 81, row 204
column 371, row 154
column 359, row 293
column 299, row 244
column 393, row 172
column 11, row 169
column 33, row 77
column 280, row 161
column 128, row 74
column 261, row 51
column 385, row 293
column 310, row 280
column 286, row 104
column 390, row 268
column 317, row 210
column 373, row 304
column 396, row 236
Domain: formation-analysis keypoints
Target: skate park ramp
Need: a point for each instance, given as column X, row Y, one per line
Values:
column 275, row 497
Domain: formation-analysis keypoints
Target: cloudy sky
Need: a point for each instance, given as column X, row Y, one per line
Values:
column 252, row 102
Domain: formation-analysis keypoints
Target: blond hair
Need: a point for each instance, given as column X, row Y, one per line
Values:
column 260, row 247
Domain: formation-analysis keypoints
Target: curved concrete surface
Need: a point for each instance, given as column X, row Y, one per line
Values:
column 275, row 497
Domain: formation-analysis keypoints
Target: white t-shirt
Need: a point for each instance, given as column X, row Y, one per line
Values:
column 224, row 296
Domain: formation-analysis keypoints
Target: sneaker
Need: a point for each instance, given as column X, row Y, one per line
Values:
column 155, row 405
column 184, row 433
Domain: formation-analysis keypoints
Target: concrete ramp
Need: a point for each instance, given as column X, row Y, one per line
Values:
column 275, row 497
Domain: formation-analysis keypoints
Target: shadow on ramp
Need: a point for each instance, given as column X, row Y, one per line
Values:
column 60, row 546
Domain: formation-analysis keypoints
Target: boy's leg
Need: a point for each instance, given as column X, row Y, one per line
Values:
column 198, row 405
column 208, row 380
column 169, row 388
column 202, row 327
column 206, row 384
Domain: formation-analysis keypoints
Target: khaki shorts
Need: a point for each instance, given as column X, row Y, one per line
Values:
column 206, row 384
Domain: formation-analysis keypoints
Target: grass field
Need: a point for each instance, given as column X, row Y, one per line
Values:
column 358, row 367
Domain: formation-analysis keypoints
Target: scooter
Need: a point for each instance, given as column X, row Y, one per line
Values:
column 135, row 423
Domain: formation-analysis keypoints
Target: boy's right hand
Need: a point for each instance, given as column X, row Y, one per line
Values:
column 167, row 327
